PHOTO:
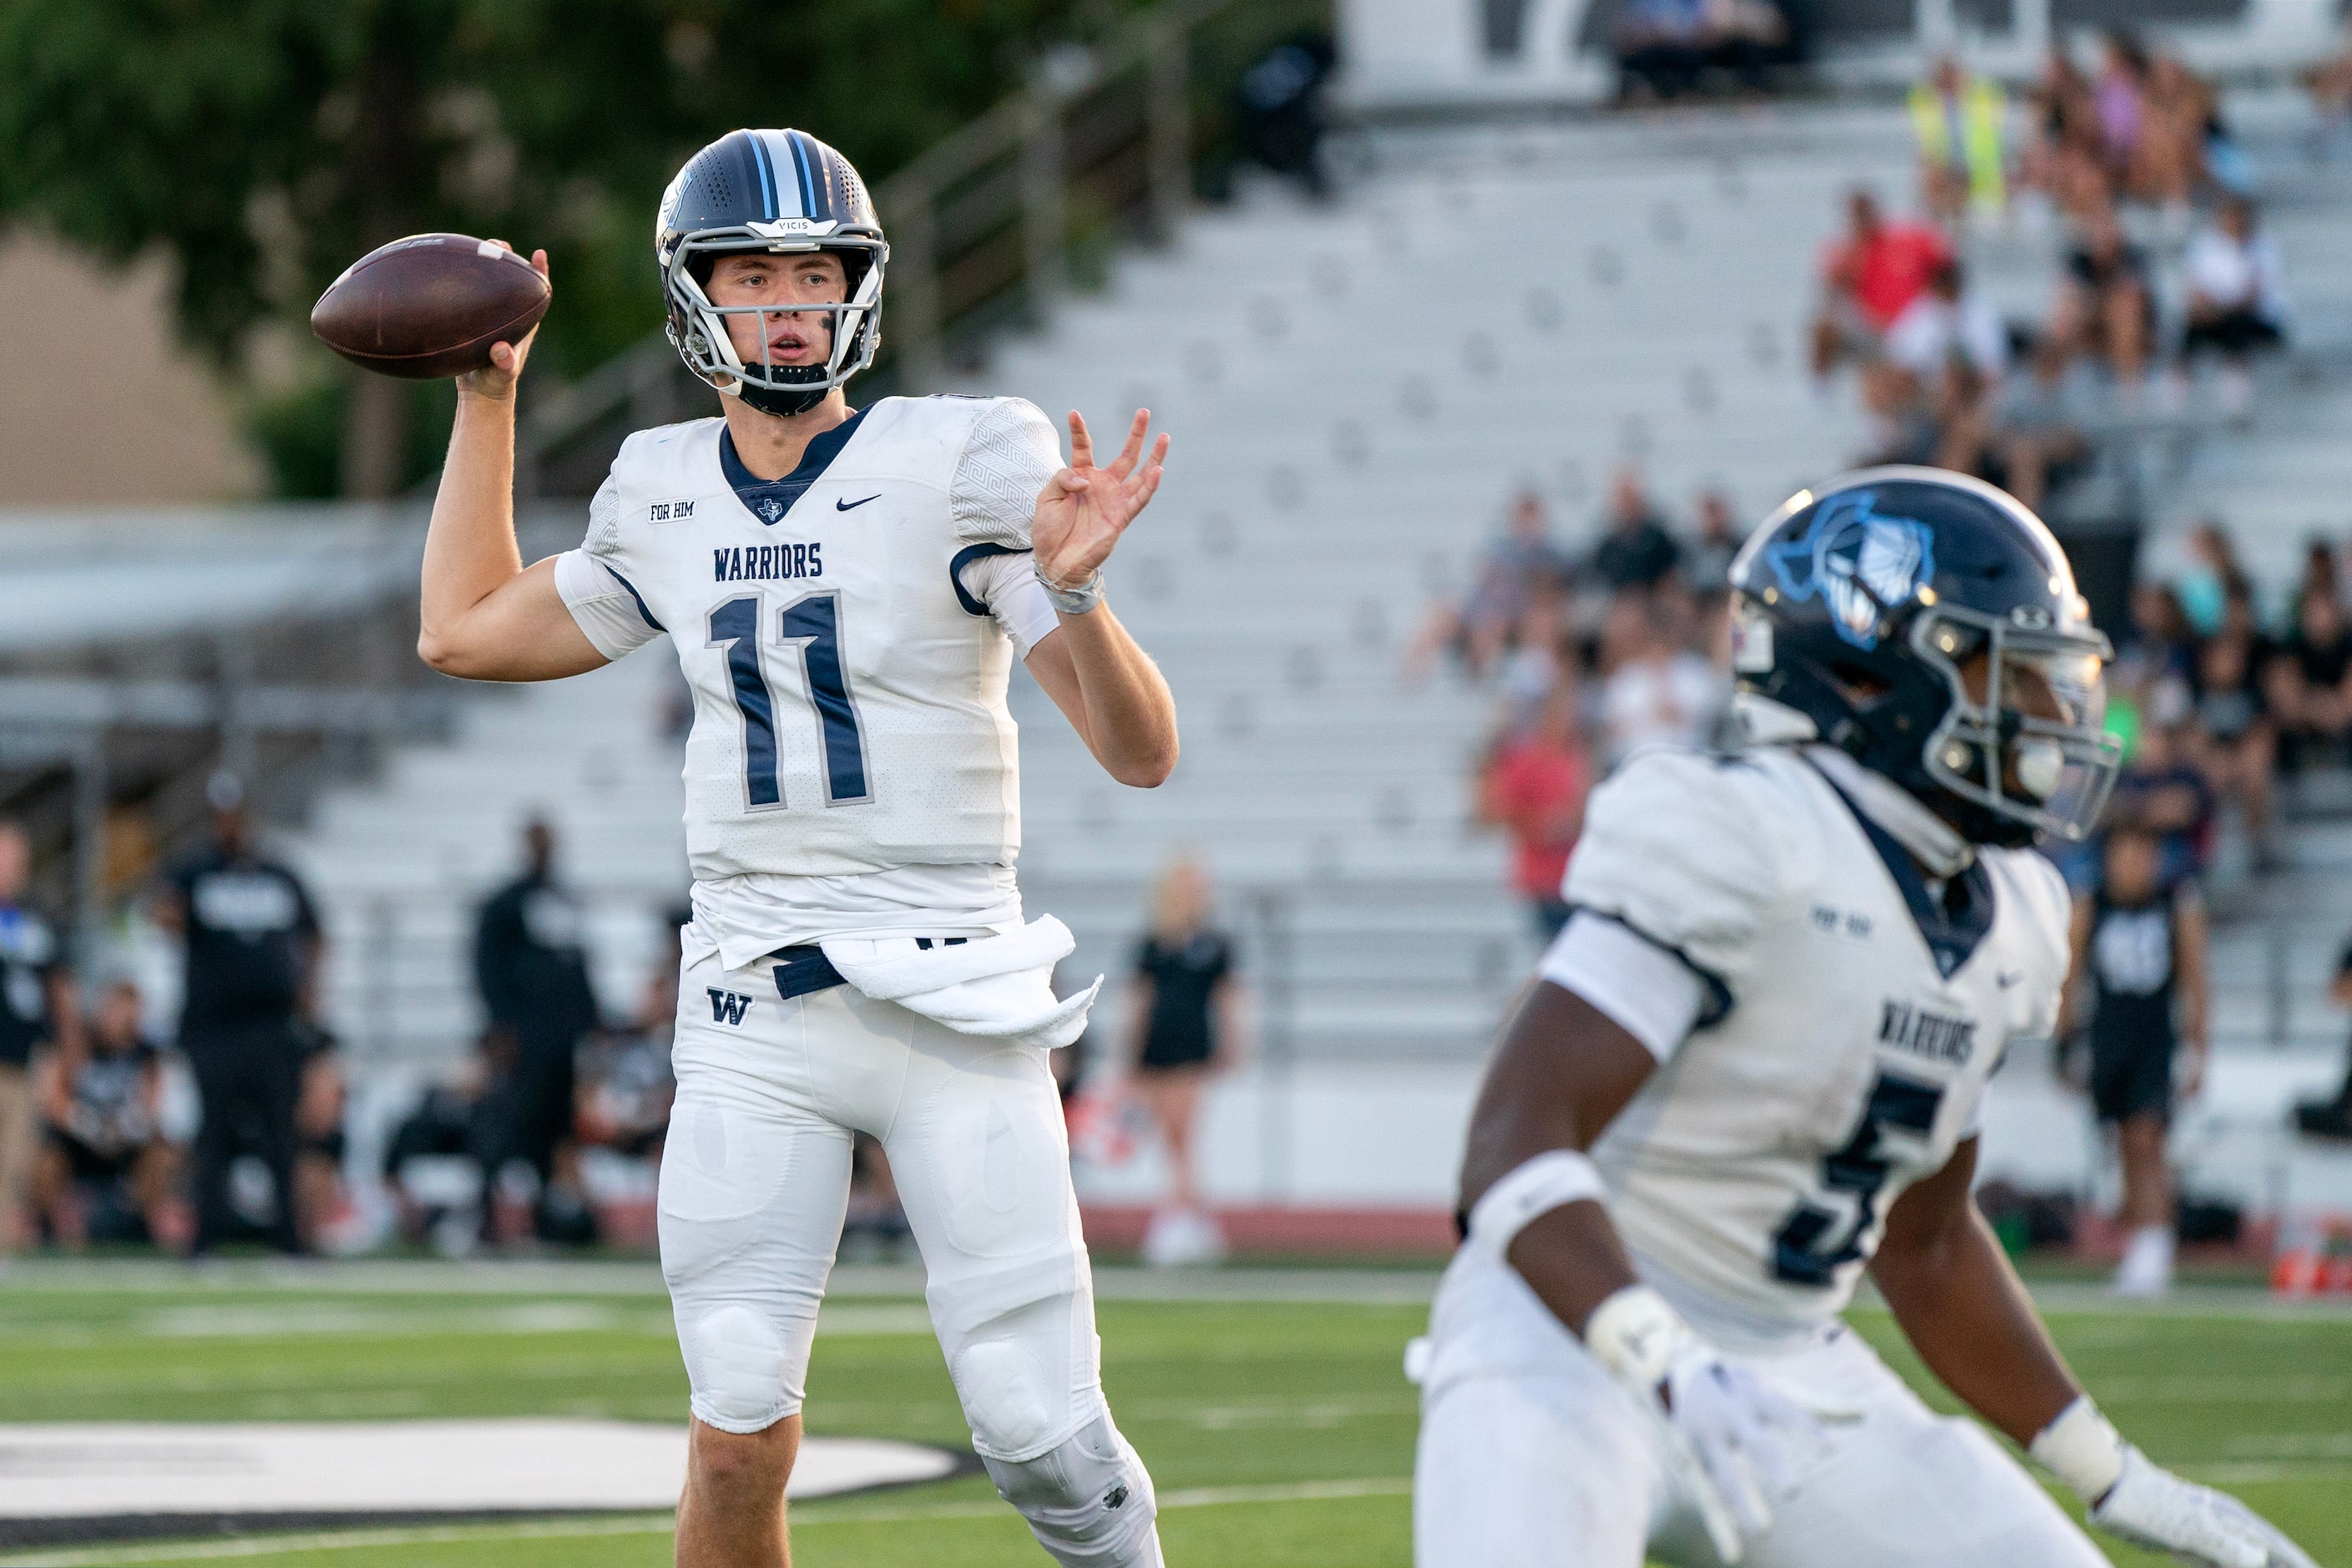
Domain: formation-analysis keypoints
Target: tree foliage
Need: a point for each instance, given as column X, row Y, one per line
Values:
column 264, row 144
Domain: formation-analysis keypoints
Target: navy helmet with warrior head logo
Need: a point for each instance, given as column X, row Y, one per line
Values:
column 779, row 191
column 1929, row 626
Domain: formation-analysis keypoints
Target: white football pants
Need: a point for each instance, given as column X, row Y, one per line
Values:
column 755, row 1181
column 1531, row 1457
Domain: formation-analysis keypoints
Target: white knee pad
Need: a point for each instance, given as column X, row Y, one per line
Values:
column 735, row 1362
column 1023, row 1378
column 1088, row 1502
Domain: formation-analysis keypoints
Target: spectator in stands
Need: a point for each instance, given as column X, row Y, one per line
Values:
column 2180, row 115
column 532, row 966
column 36, row 1015
column 1945, row 354
column 2203, row 151
column 2332, row 1116
column 2239, row 746
column 2161, row 791
column 1706, row 558
column 2237, row 297
column 1868, row 277
column 254, row 949
column 432, row 1163
column 1635, row 554
column 2036, row 441
column 2120, row 96
column 2330, row 86
column 1948, row 321
column 1664, row 47
column 2319, row 573
column 626, row 1086
column 319, row 1199
column 2105, row 308
column 1185, row 1024
column 1543, row 655
column 1279, row 107
column 2160, row 645
column 1654, row 691
column 2140, row 976
column 1518, row 567
column 1960, row 119
column 105, row 1146
column 2063, row 121
column 2213, row 577
column 2310, row 685
column 1533, row 787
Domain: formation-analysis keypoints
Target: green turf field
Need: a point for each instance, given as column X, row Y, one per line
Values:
column 1280, row 1434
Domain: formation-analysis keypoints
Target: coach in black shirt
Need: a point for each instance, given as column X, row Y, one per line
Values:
column 37, row 1012
column 533, row 969
column 253, row 948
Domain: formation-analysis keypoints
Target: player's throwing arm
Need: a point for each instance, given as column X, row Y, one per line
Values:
column 1751, row 1070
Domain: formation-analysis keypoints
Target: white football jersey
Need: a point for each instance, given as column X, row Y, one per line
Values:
column 847, row 631
column 1852, row 1021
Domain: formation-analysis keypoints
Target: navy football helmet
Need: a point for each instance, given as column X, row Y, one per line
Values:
column 1929, row 626
column 781, row 192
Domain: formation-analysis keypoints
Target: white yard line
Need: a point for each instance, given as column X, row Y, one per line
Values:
column 804, row 1518
column 1357, row 1286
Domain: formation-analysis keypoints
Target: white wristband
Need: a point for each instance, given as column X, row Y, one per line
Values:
column 1076, row 598
column 1551, row 1180
column 2082, row 1449
column 1635, row 1334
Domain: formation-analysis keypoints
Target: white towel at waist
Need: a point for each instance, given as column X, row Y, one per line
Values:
column 996, row 988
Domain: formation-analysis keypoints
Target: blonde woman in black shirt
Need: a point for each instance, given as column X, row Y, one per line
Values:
column 1183, row 1026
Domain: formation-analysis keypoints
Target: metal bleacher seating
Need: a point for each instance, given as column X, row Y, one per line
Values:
column 1356, row 390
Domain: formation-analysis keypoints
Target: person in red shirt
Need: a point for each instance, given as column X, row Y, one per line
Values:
column 1868, row 277
column 1534, row 786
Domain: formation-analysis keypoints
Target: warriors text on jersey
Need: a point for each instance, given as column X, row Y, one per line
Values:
column 1856, row 1010
column 847, row 632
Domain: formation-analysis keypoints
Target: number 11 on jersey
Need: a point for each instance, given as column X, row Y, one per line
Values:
column 814, row 623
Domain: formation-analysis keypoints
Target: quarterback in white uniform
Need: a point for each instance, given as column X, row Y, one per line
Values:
column 1750, row 1069
column 846, row 592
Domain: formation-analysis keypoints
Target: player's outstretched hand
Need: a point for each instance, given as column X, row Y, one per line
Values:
column 2149, row 1506
column 497, row 380
column 1083, row 509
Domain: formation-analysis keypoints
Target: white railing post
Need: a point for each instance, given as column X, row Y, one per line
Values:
column 1168, row 128
column 1044, row 211
column 911, row 296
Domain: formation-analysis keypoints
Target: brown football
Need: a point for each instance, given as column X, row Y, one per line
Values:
column 429, row 306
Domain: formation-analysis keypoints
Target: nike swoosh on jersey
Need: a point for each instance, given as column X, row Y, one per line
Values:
column 840, row 505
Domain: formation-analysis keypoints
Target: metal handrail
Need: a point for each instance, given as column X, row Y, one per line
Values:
column 1025, row 165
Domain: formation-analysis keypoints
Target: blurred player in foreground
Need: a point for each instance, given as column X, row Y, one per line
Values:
column 846, row 592
column 1751, row 1067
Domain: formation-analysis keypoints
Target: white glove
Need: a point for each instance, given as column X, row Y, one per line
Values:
column 1740, row 1445
column 2133, row 1497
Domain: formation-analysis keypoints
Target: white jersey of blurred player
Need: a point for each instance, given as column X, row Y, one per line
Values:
column 1752, row 1068
column 1748, row 1176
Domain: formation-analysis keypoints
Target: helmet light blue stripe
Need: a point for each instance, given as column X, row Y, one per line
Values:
column 800, row 166
column 767, row 174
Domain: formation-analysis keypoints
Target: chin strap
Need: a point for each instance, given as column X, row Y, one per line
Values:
column 1935, row 843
